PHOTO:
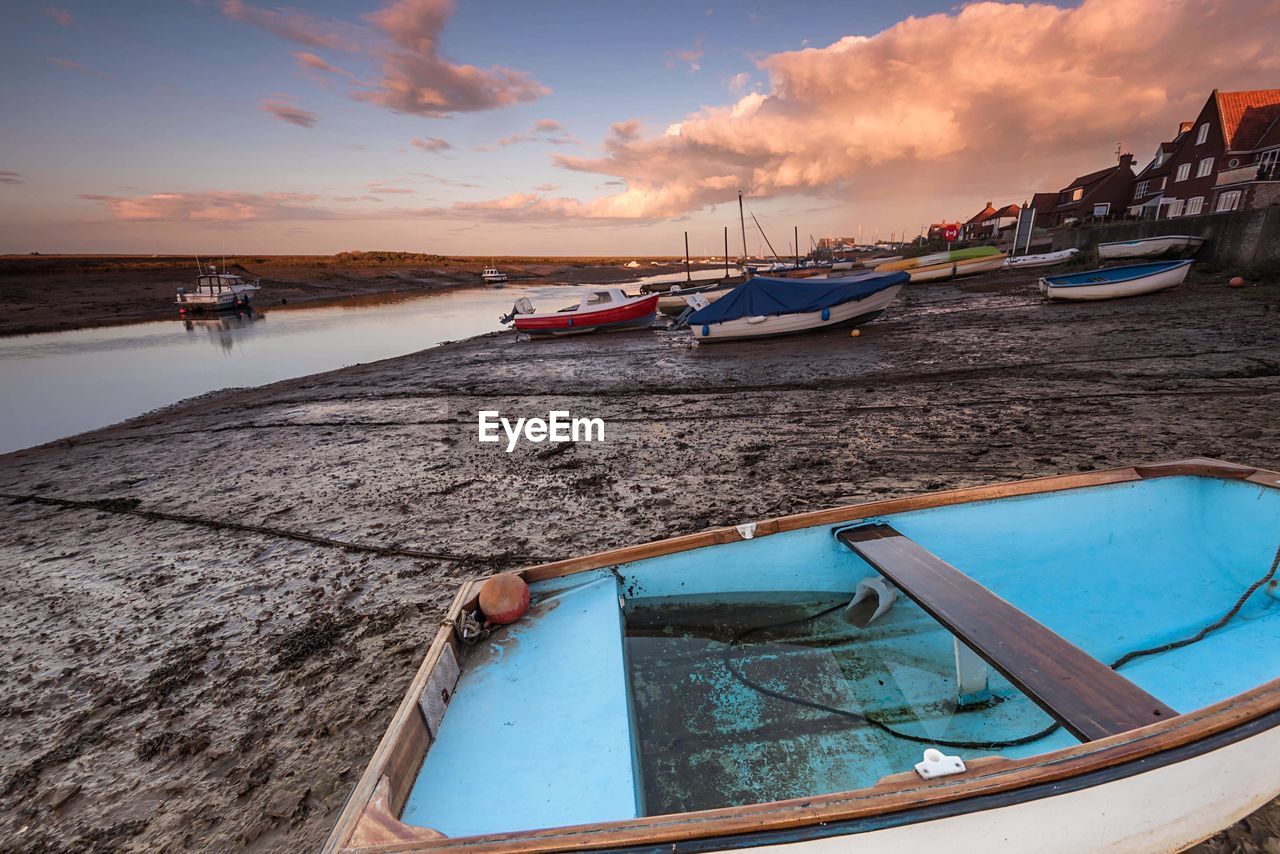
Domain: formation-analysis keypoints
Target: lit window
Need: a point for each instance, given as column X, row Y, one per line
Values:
column 1077, row 194
column 1229, row 201
column 1206, row 166
column 1195, row 205
column 1203, row 134
column 1184, row 171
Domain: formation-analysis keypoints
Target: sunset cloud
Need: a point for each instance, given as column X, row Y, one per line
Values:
column 543, row 130
column 950, row 99
column 432, row 144
column 70, row 65
column 61, row 17
column 416, row 79
column 285, row 111
column 10, row 178
column 692, row 56
column 296, row 26
column 215, row 207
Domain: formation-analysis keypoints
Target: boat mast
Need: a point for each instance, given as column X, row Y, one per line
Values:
column 772, row 251
column 743, row 223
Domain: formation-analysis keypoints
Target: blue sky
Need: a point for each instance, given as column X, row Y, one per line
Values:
column 128, row 101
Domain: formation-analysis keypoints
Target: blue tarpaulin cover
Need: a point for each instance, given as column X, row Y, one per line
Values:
column 762, row 296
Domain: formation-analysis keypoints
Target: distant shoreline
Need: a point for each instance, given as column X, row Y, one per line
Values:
column 57, row 293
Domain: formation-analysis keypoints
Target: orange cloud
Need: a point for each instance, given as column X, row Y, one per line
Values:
column 283, row 110
column 432, row 144
column 223, row 207
column 296, row 26
column 61, row 17
column 1014, row 95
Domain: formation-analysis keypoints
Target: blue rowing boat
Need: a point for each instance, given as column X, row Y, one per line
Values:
column 1111, row 282
column 1078, row 663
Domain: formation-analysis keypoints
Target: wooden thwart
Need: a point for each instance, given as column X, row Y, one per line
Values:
column 1089, row 699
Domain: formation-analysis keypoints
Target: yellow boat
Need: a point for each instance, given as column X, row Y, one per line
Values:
column 937, row 258
column 954, row 269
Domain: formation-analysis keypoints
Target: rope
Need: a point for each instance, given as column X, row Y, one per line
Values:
column 868, row 720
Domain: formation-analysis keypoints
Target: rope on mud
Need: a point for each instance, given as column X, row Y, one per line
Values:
column 129, row 507
column 858, row 717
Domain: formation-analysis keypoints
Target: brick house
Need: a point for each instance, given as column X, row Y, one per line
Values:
column 971, row 226
column 1099, row 194
column 937, row 230
column 1223, row 160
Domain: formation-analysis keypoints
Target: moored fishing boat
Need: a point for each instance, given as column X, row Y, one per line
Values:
column 606, row 309
column 956, row 268
column 1150, row 247
column 1111, row 282
column 1045, row 259
column 1087, row 663
column 217, row 292
column 937, row 258
column 765, row 307
column 493, row 277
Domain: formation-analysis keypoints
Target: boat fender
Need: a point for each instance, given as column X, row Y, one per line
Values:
column 826, row 314
column 706, row 330
column 747, row 530
column 877, row 591
column 504, row 598
column 937, row 764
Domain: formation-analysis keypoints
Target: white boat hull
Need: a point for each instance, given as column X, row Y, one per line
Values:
column 857, row 311
column 1149, row 247
column 230, row 298
column 1114, row 290
column 955, row 269
column 1047, row 259
column 1168, row 808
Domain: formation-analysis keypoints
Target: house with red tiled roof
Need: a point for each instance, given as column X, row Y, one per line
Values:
column 1226, row 159
column 971, row 226
column 937, row 230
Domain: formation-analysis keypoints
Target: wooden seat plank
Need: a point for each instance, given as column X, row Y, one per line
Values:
column 1088, row 698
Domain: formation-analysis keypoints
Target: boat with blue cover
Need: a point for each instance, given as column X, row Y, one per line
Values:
column 1077, row 663
column 1111, row 282
column 763, row 307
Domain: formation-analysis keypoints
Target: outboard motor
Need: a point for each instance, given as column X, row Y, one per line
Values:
column 522, row 306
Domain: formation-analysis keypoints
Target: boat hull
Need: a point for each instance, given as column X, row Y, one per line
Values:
column 226, row 301
column 955, row 269
column 937, row 258
column 672, row 304
column 853, row 313
column 632, row 315
column 1047, row 259
column 1162, row 280
column 1149, row 247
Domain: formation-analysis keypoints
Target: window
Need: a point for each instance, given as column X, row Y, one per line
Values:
column 1141, row 189
column 1164, row 179
column 1102, row 209
column 1077, row 194
column 1175, row 207
column 1269, row 158
column 1202, row 134
column 1195, row 205
column 1229, row 201
column 1184, row 171
column 1234, row 162
column 1206, row 166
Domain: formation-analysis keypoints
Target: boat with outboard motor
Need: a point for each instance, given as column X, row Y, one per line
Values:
column 1111, row 282
column 601, row 310
column 764, row 307
column 1086, row 662
column 217, row 292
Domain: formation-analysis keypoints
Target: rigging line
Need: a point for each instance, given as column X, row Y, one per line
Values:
column 129, row 508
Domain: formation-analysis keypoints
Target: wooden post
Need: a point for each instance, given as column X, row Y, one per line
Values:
column 726, row 251
column 687, row 277
column 797, row 237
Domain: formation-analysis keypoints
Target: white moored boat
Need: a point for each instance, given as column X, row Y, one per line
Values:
column 1131, row 280
column 216, row 291
column 955, row 269
column 1084, row 663
column 1150, row 247
column 1047, row 259
column 493, row 277
column 765, row 307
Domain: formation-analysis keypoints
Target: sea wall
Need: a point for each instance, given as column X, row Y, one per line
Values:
column 1242, row 239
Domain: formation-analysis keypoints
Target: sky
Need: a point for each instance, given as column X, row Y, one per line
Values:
column 481, row 127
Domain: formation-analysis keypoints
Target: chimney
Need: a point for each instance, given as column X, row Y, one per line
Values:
column 1126, row 161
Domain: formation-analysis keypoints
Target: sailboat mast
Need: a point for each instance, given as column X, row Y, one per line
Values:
column 742, row 221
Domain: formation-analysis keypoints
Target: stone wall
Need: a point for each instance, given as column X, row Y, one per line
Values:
column 1243, row 239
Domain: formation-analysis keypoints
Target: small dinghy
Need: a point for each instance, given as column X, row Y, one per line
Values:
column 1076, row 663
column 937, row 258
column 1130, row 280
column 607, row 310
column 957, row 268
column 1150, row 247
column 676, row 300
column 1047, row 259
column 765, row 307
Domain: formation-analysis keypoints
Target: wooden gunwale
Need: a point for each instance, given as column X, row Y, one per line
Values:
column 886, row 797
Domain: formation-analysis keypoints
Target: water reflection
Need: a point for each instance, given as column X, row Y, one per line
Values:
column 222, row 327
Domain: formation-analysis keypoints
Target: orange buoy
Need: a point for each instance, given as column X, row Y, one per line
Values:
column 504, row 598
column 1236, row 282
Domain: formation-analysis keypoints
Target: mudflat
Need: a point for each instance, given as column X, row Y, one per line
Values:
column 177, row 680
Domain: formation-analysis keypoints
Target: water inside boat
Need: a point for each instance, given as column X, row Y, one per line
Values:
column 622, row 693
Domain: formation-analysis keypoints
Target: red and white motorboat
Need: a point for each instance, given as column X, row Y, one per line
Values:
column 604, row 310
